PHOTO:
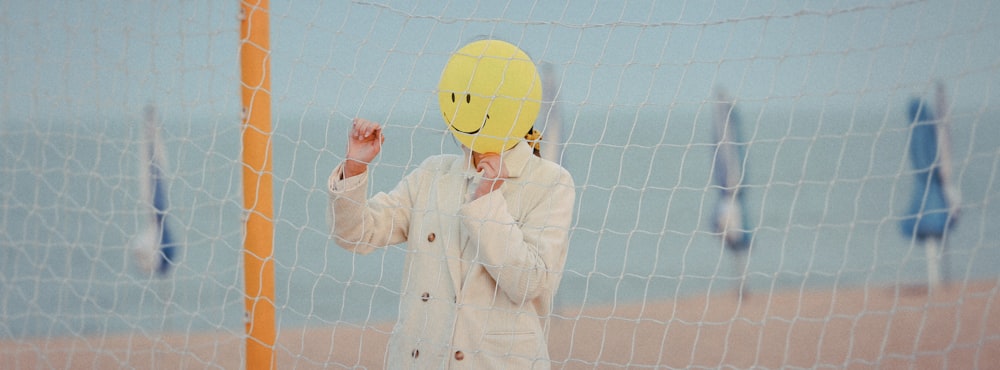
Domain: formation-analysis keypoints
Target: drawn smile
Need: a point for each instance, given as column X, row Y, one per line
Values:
column 473, row 132
column 476, row 131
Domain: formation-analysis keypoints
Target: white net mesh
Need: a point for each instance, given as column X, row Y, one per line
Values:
column 822, row 93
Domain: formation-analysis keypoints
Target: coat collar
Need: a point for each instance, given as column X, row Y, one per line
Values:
column 515, row 159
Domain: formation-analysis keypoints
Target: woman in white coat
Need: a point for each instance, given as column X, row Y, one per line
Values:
column 486, row 232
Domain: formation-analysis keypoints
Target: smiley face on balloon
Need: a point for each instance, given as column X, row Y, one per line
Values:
column 490, row 94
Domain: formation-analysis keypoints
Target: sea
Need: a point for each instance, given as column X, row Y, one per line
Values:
column 826, row 189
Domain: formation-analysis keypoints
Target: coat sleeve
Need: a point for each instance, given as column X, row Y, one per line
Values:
column 525, row 258
column 362, row 225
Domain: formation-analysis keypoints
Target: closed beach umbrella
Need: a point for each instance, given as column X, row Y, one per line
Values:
column 730, row 217
column 154, row 249
column 160, row 206
column 933, row 207
column 927, row 216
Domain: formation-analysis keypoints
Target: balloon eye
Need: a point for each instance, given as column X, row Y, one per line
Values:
column 468, row 98
column 452, row 97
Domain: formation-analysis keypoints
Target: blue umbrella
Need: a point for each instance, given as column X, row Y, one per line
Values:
column 154, row 248
column 730, row 217
column 933, row 206
column 160, row 205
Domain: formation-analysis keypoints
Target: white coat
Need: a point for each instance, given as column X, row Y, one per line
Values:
column 479, row 276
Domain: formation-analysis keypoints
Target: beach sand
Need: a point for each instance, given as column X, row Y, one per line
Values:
column 876, row 327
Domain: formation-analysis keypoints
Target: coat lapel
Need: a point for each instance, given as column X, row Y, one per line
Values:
column 452, row 192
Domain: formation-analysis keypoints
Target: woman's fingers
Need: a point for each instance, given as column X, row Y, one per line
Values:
column 363, row 129
column 364, row 140
column 491, row 167
column 487, row 167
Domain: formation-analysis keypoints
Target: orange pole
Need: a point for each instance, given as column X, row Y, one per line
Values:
column 258, row 247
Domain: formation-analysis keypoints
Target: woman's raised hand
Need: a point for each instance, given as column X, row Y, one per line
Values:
column 364, row 142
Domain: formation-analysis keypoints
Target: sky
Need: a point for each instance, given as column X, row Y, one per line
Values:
column 75, row 62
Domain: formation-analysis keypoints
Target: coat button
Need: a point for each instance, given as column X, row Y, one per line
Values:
column 425, row 297
column 415, row 353
column 431, row 237
column 459, row 355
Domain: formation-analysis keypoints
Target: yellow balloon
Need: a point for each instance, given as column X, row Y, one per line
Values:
column 490, row 94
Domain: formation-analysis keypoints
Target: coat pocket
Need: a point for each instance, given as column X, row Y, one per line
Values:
column 520, row 349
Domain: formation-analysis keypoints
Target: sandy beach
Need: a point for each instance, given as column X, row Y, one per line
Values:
column 876, row 327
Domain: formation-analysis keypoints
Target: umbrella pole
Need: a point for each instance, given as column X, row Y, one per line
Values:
column 931, row 247
column 741, row 264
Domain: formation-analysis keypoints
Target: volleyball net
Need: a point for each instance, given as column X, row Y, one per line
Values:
column 756, row 185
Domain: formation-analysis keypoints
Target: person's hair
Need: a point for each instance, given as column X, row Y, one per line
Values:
column 534, row 137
